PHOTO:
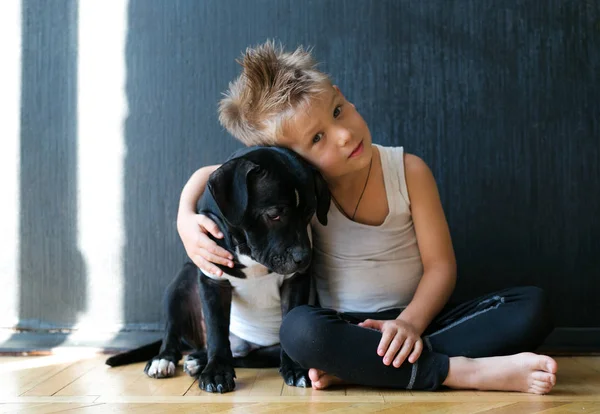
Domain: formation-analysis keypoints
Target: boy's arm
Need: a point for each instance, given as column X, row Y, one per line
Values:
column 435, row 246
column 193, row 189
column 401, row 338
column 193, row 227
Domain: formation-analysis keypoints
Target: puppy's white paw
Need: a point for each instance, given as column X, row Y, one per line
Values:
column 161, row 368
column 191, row 366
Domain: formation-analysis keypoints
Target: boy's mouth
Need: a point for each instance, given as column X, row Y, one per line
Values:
column 357, row 151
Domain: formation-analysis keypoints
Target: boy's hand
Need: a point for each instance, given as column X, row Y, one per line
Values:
column 399, row 339
column 203, row 251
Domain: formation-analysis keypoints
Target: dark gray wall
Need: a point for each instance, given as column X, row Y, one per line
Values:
column 499, row 97
column 51, row 268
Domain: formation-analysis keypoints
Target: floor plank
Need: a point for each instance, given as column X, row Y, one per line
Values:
column 63, row 378
column 53, row 384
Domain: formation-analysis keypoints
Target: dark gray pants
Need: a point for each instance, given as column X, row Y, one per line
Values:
column 502, row 323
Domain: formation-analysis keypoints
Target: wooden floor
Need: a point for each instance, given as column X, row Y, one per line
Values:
column 80, row 383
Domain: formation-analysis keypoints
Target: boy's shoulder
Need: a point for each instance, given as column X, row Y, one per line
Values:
column 408, row 158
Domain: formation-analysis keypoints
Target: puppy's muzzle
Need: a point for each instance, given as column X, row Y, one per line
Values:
column 296, row 259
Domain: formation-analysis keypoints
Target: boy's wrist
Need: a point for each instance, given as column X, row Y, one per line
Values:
column 183, row 217
column 417, row 324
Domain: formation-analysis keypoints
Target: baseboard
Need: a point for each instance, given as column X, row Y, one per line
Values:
column 43, row 342
column 560, row 341
column 573, row 340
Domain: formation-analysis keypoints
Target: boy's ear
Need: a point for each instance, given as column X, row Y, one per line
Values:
column 228, row 185
column 338, row 91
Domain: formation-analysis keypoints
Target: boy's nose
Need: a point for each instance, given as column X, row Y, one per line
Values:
column 344, row 136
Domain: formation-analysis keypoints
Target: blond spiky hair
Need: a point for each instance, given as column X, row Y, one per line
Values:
column 272, row 85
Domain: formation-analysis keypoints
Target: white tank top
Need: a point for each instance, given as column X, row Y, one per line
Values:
column 364, row 268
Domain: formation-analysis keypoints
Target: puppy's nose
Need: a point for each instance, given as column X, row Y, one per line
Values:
column 301, row 256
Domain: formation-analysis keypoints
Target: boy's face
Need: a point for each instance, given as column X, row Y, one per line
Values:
column 331, row 135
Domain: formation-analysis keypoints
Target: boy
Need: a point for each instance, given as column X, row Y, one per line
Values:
column 384, row 266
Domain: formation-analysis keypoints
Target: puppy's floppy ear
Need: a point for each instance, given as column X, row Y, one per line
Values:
column 228, row 185
column 310, row 178
column 323, row 197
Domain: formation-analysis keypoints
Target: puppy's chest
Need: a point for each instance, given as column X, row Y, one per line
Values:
column 259, row 289
column 260, row 292
column 256, row 308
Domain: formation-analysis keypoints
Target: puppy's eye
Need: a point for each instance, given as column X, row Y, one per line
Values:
column 274, row 214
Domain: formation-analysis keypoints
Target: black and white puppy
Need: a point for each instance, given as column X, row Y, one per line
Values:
column 262, row 199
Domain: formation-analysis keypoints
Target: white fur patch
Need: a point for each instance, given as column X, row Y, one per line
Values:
column 253, row 268
column 161, row 368
column 191, row 366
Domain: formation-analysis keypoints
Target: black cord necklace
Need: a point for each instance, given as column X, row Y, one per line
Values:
column 361, row 194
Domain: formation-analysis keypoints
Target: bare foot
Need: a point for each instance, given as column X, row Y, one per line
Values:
column 321, row 380
column 525, row 372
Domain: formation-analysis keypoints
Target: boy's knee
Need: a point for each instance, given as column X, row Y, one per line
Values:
column 302, row 330
column 538, row 300
column 293, row 326
column 539, row 318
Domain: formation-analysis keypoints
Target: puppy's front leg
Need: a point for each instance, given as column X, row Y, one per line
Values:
column 181, row 306
column 294, row 292
column 218, row 375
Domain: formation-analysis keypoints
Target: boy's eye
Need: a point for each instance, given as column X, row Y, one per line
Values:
column 317, row 138
column 337, row 111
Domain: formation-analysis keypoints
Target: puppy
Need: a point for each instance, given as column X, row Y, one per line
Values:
column 262, row 199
